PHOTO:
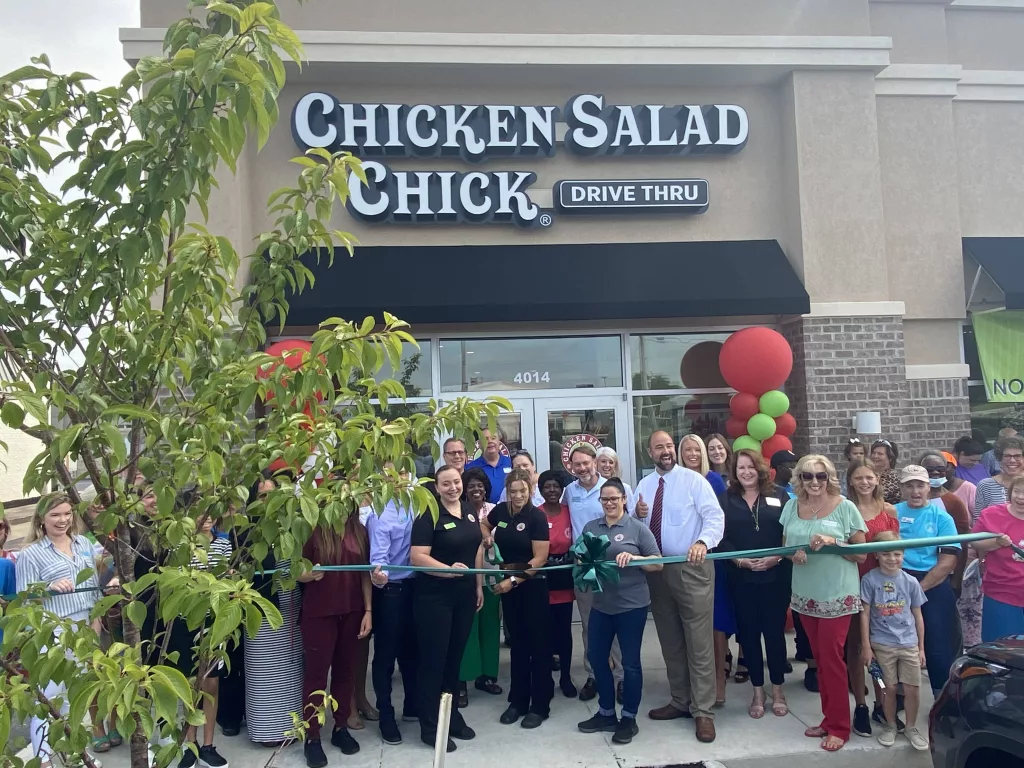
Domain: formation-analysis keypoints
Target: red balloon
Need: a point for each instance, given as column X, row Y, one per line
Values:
column 293, row 361
column 774, row 444
column 756, row 360
column 785, row 425
column 744, row 405
column 735, row 427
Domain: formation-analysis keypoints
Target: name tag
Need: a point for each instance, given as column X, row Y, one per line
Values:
column 908, row 520
column 551, row 525
column 503, row 524
column 830, row 523
column 449, row 526
column 771, row 501
column 507, row 470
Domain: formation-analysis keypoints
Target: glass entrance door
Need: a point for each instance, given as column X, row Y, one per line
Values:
column 561, row 423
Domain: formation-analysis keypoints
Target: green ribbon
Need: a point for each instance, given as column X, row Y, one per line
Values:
column 593, row 569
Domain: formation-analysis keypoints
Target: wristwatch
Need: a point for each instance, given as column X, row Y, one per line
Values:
column 514, row 580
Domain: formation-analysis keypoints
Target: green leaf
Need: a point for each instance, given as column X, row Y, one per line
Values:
column 115, row 441
column 34, row 405
column 136, row 612
column 12, row 414
column 131, row 412
column 67, row 438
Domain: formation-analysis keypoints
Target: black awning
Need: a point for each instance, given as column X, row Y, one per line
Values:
column 549, row 282
column 1003, row 259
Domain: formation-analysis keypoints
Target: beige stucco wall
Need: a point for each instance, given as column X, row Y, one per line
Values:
column 920, row 195
column 986, row 39
column 669, row 17
column 21, row 449
column 990, row 159
column 932, row 342
column 918, row 31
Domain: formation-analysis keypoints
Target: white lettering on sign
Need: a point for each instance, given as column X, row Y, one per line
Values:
column 532, row 377
column 687, row 195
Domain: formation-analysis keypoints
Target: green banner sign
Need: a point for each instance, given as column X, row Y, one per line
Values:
column 1000, row 338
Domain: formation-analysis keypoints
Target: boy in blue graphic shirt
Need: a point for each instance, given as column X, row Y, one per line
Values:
column 894, row 625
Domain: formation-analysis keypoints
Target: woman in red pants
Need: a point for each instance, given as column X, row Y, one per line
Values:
column 336, row 614
column 826, row 588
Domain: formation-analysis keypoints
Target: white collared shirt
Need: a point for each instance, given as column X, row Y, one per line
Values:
column 690, row 510
column 584, row 505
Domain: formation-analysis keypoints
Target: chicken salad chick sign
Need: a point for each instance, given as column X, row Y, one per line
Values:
column 477, row 133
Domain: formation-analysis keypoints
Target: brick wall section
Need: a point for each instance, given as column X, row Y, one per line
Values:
column 845, row 365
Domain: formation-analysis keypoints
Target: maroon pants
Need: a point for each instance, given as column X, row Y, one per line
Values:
column 329, row 644
column 828, row 638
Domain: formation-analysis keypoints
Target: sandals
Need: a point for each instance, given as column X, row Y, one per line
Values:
column 832, row 743
column 742, row 675
column 487, row 685
column 780, row 708
column 756, row 710
column 115, row 738
column 369, row 713
column 815, row 732
column 355, row 722
column 100, row 743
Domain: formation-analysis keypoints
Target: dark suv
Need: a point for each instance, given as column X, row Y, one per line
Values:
column 978, row 720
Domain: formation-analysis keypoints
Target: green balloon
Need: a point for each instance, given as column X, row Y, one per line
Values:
column 746, row 442
column 761, row 426
column 774, row 403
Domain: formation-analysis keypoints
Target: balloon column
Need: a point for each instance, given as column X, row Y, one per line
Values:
column 756, row 362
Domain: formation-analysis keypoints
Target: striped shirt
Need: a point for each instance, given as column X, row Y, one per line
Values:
column 218, row 553
column 989, row 492
column 42, row 562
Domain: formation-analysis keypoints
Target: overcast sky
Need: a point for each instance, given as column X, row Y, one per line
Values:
column 75, row 34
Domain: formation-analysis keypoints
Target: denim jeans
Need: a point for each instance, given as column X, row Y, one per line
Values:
column 1000, row 619
column 941, row 631
column 628, row 627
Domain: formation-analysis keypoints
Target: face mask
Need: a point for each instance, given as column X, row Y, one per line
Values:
column 936, row 482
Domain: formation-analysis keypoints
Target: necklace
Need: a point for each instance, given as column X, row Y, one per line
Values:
column 755, row 511
column 816, row 511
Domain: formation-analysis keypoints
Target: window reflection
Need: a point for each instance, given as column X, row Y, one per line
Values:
column 413, row 371
column 576, row 362
column 677, row 361
column 678, row 415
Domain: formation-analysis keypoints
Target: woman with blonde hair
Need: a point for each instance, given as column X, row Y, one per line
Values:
column 56, row 554
column 826, row 588
column 608, row 466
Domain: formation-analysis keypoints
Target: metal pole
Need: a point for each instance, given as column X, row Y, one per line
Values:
column 441, row 740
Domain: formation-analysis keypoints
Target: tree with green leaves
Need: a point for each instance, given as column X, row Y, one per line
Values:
column 126, row 350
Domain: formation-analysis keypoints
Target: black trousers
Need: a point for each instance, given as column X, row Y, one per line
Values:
column 231, row 699
column 560, row 635
column 761, row 612
column 444, row 617
column 803, row 643
column 525, row 609
column 394, row 639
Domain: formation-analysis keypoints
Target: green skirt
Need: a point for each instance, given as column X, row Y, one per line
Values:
column 481, row 656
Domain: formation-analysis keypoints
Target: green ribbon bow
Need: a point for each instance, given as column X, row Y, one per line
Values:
column 592, row 568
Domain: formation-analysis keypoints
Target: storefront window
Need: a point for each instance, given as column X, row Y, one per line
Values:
column 677, row 361
column 678, row 415
column 575, row 362
column 413, row 371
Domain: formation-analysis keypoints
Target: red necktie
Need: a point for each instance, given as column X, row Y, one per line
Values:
column 659, row 500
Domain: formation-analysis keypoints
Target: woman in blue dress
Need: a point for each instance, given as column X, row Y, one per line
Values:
column 693, row 454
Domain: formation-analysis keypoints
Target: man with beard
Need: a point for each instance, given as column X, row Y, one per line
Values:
column 681, row 509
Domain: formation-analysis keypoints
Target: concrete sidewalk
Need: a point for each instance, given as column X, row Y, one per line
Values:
column 771, row 741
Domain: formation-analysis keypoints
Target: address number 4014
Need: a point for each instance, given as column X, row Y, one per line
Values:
column 532, row 377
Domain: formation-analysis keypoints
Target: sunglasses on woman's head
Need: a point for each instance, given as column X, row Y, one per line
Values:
column 807, row 477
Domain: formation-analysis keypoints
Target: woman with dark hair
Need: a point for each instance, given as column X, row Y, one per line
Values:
column 720, row 455
column 560, row 586
column 336, row 613
column 760, row 587
column 854, row 450
column 520, row 531
column 862, row 480
column 480, row 661
column 619, row 611
column 273, row 658
column 884, row 455
column 446, row 602
column 968, row 452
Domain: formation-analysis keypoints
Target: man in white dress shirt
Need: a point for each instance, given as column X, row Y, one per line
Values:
column 683, row 513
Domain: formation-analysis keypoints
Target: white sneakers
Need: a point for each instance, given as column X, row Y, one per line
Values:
column 917, row 740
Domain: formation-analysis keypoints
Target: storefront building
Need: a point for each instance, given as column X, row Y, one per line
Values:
column 574, row 203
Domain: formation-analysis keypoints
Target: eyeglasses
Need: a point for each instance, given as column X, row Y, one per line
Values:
column 454, row 453
column 807, row 477
column 1013, row 457
column 610, row 499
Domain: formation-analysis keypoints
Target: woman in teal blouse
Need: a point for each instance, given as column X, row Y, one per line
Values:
column 826, row 588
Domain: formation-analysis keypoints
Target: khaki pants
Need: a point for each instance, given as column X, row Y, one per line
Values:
column 683, row 603
column 585, row 601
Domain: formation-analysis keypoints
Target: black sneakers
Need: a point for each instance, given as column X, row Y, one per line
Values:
column 626, row 731
column 389, row 732
column 879, row 717
column 509, row 716
column 862, row 720
column 568, row 689
column 532, row 720
column 343, row 740
column 429, row 741
column 188, row 759
column 315, row 757
column 600, row 724
column 811, row 679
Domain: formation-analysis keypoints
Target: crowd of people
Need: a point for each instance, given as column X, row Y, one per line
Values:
column 902, row 610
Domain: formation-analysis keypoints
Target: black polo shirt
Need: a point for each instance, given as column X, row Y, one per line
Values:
column 759, row 527
column 451, row 540
column 515, row 534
